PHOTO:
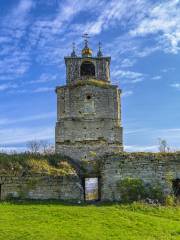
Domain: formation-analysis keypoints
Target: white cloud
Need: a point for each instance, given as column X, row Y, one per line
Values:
column 137, row 80
column 127, row 62
column 4, row 87
column 136, row 148
column 16, row 21
column 36, row 90
column 45, row 77
column 130, row 77
column 23, row 135
column 27, row 119
column 127, row 93
column 127, row 74
column 146, row 51
column 151, row 135
column 163, row 20
column 156, row 77
column 165, row 70
column 136, row 130
column 43, row 89
column 12, row 149
column 113, row 13
column 49, row 33
column 23, row 7
column 176, row 85
column 127, row 77
column 14, row 58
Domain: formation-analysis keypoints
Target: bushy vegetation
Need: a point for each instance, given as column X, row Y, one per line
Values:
column 131, row 190
column 149, row 155
column 28, row 163
column 94, row 82
column 55, row 221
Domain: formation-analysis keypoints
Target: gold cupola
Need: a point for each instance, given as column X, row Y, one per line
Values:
column 86, row 52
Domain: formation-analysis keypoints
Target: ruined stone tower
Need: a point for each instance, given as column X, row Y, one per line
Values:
column 88, row 108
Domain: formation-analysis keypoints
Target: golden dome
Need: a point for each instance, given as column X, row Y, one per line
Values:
column 87, row 52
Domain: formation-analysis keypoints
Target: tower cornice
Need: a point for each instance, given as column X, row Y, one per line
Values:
column 88, row 58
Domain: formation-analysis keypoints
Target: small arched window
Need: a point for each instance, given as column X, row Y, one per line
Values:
column 87, row 69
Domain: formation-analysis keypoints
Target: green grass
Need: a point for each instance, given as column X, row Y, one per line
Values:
column 57, row 221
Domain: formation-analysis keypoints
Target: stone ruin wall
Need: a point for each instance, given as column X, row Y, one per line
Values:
column 151, row 168
column 41, row 187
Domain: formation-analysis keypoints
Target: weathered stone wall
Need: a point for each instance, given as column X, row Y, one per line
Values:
column 88, row 113
column 73, row 65
column 151, row 168
column 41, row 187
column 110, row 169
column 80, row 101
column 82, row 151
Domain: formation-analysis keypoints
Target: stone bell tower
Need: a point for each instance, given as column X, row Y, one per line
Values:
column 88, row 108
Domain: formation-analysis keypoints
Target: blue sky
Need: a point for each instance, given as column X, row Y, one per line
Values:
column 141, row 36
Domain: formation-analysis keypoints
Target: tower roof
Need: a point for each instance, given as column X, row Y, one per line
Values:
column 86, row 51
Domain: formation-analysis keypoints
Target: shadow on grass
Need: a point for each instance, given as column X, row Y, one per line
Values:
column 59, row 202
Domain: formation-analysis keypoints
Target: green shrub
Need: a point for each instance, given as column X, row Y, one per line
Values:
column 132, row 189
column 154, row 191
column 170, row 200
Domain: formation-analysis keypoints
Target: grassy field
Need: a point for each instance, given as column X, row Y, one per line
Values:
column 55, row 221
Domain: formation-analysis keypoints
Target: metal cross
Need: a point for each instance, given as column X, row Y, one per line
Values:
column 73, row 46
column 86, row 36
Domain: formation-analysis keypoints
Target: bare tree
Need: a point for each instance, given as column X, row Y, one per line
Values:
column 44, row 144
column 163, row 146
column 50, row 149
column 33, row 146
column 41, row 146
column 46, row 147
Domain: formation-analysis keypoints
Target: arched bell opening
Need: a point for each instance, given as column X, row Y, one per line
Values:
column 87, row 69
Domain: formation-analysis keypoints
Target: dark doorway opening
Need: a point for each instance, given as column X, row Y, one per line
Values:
column 176, row 187
column 87, row 69
column 91, row 189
